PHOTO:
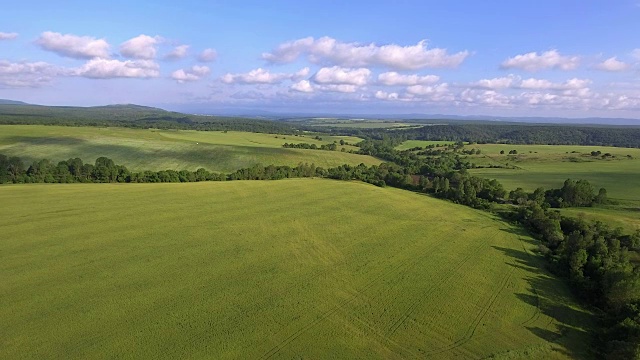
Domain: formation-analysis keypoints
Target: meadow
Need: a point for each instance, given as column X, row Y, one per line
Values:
column 301, row 268
column 151, row 149
column 550, row 165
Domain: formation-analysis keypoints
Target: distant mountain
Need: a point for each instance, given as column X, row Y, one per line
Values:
column 12, row 102
column 127, row 107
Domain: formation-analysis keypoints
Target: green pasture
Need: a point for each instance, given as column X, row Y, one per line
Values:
column 626, row 217
column 301, row 268
column 550, row 165
column 149, row 149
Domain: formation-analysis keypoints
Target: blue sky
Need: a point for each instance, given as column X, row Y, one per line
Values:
column 570, row 58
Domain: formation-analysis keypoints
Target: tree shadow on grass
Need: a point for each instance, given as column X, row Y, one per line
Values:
column 568, row 327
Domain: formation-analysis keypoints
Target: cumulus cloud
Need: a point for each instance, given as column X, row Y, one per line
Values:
column 27, row 74
column 332, row 51
column 427, row 90
column 178, row 52
column 342, row 76
column 382, row 95
column 393, row 78
column 490, row 98
column 208, row 55
column 547, row 60
column 78, row 47
column 543, row 84
column 263, row 76
column 108, row 69
column 140, row 47
column 193, row 74
column 340, row 88
column 612, row 64
column 8, row 36
column 636, row 54
column 495, row 83
column 303, row 86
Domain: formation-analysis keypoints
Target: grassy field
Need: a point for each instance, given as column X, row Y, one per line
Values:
column 550, row 165
column 303, row 268
column 140, row 149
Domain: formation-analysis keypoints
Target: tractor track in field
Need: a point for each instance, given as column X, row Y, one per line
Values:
column 479, row 316
column 281, row 345
column 414, row 305
column 538, row 312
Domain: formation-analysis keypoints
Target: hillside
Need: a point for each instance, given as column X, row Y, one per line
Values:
column 271, row 269
column 129, row 115
column 145, row 149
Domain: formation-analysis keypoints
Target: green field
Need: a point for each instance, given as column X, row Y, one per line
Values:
column 140, row 149
column 303, row 268
column 549, row 165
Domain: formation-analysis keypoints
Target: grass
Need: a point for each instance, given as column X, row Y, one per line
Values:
column 140, row 149
column 625, row 217
column 549, row 166
column 301, row 268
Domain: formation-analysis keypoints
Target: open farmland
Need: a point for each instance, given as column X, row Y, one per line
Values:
column 270, row 269
column 144, row 149
column 550, row 165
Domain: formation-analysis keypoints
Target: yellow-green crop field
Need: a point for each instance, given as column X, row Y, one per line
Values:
column 300, row 268
column 150, row 149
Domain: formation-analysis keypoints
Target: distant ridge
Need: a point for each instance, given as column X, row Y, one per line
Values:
column 12, row 102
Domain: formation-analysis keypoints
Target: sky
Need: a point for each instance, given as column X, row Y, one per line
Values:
column 560, row 58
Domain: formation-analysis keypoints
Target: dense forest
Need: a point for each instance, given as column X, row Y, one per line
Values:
column 509, row 134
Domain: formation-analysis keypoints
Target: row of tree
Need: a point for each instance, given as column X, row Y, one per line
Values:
column 329, row 147
column 595, row 259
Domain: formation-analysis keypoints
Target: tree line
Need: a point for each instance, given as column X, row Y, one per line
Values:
column 328, row 147
column 595, row 260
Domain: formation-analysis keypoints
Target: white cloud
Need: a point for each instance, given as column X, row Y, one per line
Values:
column 393, row 78
column 428, row 90
column 612, row 64
column 78, row 47
column 8, row 36
column 208, row 55
column 491, row 98
column 332, row 51
column 178, row 52
column 193, row 74
column 302, row 86
column 495, row 83
column 547, row 60
column 342, row 76
column 341, row 88
column 140, row 47
column 107, row 69
column 27, row 74
column 262, row 76
column 301, row 74
column 636, row 54
column 382, row 95
column 543, row 84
